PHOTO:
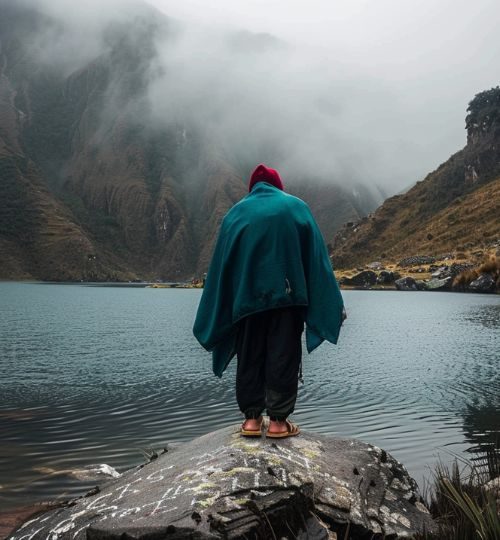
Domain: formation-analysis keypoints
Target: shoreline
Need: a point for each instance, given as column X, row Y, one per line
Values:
column 118, row 284
column 395, row 289
column 153, row 285
column 477, row 272
column 13, row 518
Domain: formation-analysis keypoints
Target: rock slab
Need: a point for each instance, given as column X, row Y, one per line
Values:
column 224, row 486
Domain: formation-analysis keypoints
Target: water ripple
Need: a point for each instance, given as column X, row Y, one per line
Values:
column 95, row 375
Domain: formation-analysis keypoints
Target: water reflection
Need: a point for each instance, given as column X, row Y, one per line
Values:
column 481, row 416
column 482, row 423
column 487, row 316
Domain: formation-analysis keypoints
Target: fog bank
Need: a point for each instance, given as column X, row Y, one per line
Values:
column 351, row 91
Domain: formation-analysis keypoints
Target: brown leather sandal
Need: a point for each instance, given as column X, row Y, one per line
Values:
column 291, row 431
column 252, row 432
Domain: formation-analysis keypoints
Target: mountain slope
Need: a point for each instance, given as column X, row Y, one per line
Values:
column 92, row 184
column 456, row 207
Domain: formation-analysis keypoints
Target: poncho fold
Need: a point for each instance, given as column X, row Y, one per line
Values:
column 269, row 254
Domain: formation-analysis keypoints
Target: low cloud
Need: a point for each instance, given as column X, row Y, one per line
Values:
column 382, row 110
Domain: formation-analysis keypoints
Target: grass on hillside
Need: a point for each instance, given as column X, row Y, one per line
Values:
column 397, row 229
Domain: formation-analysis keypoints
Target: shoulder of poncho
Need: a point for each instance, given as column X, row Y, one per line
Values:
column 297, row 201
column 291, row 200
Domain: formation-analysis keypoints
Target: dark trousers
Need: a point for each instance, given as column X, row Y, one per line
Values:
column 269, row 351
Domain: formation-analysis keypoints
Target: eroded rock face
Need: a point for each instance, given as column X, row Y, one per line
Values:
column 224, row 486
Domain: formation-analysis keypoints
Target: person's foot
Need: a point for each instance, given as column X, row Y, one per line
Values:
column 280, row 429
column 252, row 427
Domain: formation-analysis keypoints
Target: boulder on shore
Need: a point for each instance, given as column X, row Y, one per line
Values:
column 221, row 485
column 436, row 284
column 421, row 285
column 364, row 279
column 485, row 283
column 385, row 277
column 406, row 284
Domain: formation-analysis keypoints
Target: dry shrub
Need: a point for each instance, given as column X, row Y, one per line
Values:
column 465, row 278
column 461, row 256
column 490, row 266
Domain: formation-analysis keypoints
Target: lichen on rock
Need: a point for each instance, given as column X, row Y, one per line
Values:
column 223, row 486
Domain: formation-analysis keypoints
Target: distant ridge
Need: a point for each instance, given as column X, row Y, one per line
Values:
column 455, row 208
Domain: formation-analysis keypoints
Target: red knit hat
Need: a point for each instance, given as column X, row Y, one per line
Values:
column 265, row 174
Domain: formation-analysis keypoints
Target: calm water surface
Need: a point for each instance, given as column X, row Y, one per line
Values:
column 95, row 374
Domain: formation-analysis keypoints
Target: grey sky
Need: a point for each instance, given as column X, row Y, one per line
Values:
column 370, row 91
column 411, row 65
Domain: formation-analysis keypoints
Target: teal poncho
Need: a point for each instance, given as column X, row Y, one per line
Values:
column 270, row 253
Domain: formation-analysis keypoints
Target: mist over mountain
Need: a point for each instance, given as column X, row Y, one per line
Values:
column 124, row 139
column 257, row 98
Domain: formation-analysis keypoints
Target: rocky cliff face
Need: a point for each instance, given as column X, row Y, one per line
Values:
column 454, row 208
column 92, row 187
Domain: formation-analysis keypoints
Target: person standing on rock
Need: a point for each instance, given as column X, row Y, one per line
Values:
column 270, row 273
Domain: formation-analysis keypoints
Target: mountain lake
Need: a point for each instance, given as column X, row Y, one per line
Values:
column 102, row 374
